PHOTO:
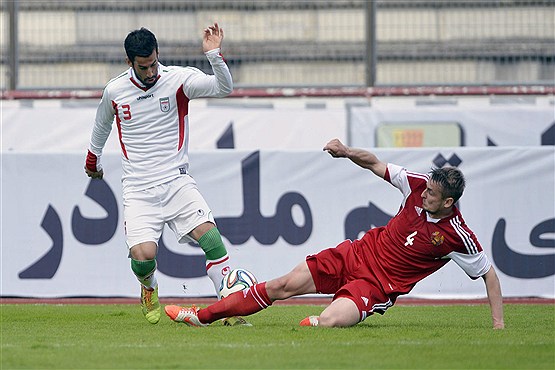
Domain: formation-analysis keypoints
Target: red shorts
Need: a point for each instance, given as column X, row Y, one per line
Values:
column 341, row 271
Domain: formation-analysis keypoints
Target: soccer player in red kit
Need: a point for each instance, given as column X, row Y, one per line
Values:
column 367, row 275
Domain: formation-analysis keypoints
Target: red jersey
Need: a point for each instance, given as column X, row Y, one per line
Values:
column 413, row 245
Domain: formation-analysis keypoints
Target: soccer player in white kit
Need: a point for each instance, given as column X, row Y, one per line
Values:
column 150, row 105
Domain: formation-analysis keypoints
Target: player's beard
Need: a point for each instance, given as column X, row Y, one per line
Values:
column 150, row 84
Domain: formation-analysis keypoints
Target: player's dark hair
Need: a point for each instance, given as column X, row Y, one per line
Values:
column 451, row 181
column 140, row 43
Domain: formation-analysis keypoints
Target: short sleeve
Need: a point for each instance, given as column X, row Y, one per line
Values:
column 474, row 265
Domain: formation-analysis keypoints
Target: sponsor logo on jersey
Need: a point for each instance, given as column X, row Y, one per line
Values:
column 200, row 212
column 437, row 239
column 418, row 210
column 165, row 104
column 143, row 97
column 365, row 300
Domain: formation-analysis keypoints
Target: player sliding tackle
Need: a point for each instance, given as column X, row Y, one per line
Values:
column 367, row 275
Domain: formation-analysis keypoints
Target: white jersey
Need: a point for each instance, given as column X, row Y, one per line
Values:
column 152, row 123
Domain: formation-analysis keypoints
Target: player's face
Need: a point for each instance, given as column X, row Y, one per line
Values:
column 146, row 68
column 433, row 201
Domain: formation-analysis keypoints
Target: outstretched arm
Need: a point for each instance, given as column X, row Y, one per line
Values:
column 493, row 288
column 360, row 157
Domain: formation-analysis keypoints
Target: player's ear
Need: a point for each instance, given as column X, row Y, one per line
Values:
column 448, row 202
column 129, row 63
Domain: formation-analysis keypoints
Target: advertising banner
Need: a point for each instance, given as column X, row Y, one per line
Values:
column 63, row 233
column 453, row 121
column 58, row 126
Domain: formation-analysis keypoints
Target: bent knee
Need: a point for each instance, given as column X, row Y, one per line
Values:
column 341, row 313
column 143, row 251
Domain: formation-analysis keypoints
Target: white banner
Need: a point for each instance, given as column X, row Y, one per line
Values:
column 60, row 126
column 62, row 233
column 478, row 121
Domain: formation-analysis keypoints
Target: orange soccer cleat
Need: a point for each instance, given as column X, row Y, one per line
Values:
column 310, row 321
column 186, row 315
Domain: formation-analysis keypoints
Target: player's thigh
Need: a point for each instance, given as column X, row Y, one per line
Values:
column 143, row 221
column 297, row 282
column 332, row 268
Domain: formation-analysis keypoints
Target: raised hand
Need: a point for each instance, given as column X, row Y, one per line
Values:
column 212, row 38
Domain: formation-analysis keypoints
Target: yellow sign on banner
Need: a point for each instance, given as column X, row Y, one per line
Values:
column 411, row 135
column 408, row 138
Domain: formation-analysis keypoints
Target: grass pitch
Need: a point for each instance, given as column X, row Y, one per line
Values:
column 408, row 337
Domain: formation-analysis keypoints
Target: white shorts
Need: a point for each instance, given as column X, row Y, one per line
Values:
column 177, row 203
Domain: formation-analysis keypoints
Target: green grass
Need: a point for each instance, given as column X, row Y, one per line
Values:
column 422, row 337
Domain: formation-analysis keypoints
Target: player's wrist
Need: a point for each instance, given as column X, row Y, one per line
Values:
column 213, row 53
column 92, row 162
column 349, row 153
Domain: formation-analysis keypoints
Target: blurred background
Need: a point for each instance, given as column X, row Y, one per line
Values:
column 49, row 44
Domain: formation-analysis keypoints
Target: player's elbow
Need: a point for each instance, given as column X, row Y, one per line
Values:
column 222, row 88
column 225, row 90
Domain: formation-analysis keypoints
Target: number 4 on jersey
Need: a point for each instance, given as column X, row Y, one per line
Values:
column 410, row 238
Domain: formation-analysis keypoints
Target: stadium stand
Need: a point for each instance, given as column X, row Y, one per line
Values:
column 289, row 43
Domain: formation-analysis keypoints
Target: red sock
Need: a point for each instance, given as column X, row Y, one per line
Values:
column 241, row 303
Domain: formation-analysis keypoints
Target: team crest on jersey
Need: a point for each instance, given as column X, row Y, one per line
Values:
column 165, row 104
column 437, row 239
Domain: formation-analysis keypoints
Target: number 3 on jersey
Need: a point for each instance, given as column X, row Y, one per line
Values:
column 126, row 111
column 410, row 238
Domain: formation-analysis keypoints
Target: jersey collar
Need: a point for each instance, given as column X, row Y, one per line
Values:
column 137, row 82
column 436, row 220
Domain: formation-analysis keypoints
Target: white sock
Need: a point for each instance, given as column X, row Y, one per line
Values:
column 216, row 270
column 149, row 282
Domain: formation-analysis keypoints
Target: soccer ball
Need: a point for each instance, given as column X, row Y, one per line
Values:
column 235, row 281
